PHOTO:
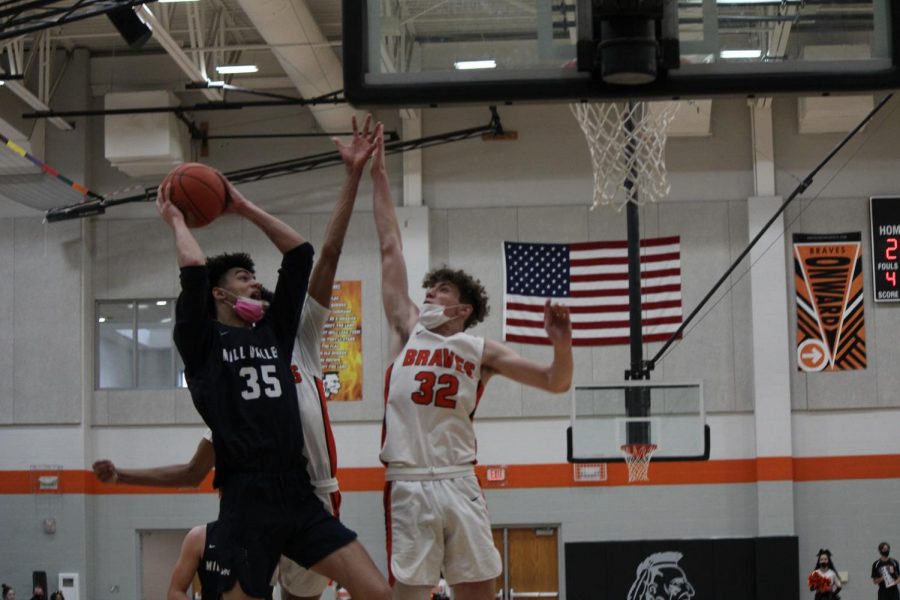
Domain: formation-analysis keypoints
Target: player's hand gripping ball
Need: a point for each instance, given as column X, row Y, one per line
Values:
column 198, row 191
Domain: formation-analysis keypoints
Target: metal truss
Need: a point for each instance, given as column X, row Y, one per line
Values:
column 18, row 17
column 280, row 169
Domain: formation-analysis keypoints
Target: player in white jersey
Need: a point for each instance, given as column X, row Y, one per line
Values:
column 297, row 583
column 437, row 520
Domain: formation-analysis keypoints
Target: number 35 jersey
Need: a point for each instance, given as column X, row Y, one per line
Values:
column 432, row 390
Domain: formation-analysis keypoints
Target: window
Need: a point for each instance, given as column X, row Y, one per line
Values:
column 134, row 345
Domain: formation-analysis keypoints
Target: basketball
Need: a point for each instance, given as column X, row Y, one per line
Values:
column 198, row 191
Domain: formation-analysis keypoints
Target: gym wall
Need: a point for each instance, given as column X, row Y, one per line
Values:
column 479, row 194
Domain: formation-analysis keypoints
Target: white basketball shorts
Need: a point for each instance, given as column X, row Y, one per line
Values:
column 437, row 526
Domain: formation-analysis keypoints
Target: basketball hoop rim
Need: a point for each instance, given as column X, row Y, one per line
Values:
column 638, row 449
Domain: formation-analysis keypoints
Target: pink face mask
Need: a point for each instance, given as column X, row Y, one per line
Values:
column 248, row 309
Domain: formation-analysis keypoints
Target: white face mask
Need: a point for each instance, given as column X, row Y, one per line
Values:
column 433, row 316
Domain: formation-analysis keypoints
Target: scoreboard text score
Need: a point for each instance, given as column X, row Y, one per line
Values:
column 884, row 212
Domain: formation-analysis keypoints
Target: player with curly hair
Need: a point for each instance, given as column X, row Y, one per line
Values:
column 437, row 519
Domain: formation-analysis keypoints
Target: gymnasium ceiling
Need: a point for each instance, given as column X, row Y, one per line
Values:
column 221, row 32
column 197, row 36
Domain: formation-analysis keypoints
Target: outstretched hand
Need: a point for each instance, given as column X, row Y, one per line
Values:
column 357, row 152
column 236, row 202
column 378, row 157
column 167, row 210
column 557, row 323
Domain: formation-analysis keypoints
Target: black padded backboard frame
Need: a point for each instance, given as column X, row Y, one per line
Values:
column 690, row 81
column 608, row 459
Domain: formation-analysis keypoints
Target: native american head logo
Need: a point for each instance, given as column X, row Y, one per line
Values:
column 332, row 384
column 659, row 577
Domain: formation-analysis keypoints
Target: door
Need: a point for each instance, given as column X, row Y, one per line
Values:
column 159, row 550
column 530, row 562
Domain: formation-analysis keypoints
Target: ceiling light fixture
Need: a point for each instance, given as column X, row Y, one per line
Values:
column 775, row 2
column 740, row 53
column 463, row 65
column 234, row 69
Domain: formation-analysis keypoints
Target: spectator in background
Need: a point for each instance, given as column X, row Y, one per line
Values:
column 57, row 595
column 8, row 593
column 824, row 579
column 37, row 593
column 885, row 572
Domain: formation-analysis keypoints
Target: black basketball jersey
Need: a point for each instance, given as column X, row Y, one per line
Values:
column 240, row 377
column 208, row 570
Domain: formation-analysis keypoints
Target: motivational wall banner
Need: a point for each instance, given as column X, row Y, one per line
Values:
column 831, row 326
column 342, row 343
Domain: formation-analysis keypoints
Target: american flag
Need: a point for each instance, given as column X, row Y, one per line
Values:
column 591, row 278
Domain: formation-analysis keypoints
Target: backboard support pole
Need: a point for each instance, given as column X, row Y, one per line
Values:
column 637, row 399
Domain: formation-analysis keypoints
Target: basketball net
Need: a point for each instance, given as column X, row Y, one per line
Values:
column 627, row 141
column 637, row 458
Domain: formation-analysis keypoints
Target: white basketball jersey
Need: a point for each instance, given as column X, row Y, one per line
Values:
column 306, row 365
column 433, row 388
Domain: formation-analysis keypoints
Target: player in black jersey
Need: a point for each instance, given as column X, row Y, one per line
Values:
column 237, row 363
column 198, row 556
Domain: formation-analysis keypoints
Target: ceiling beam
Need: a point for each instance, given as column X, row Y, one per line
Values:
column 173, row 48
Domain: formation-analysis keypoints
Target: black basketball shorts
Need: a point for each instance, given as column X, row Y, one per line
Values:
column 263, row 516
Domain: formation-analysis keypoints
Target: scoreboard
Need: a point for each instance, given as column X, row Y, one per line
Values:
column 884, row 213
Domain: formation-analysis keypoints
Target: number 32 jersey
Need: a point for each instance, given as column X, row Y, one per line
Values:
column 432, row 390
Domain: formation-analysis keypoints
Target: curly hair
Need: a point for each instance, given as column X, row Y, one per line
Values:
column 217, row 266
column 470, row 291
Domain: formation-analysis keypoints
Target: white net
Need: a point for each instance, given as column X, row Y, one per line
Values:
column 627, row 141
column 637, row 458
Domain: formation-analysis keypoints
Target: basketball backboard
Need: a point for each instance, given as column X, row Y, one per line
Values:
column 607, row 417
column 425, row 52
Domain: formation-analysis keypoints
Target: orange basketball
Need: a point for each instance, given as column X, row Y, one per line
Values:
column 198, row 191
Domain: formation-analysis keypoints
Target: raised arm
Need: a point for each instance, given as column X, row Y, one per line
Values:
column 280, row 233
column 355, row 155
column 187, row 564
column 187, row 249
column 400, row 310
column 190, row 474
column 555, row 377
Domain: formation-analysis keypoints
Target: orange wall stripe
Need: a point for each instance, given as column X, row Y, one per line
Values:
column 361, row 479
column 371, row 479
column 774, row 468
column 833, row 468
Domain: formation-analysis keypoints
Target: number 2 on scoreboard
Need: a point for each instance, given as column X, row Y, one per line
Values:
column 890, row 252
